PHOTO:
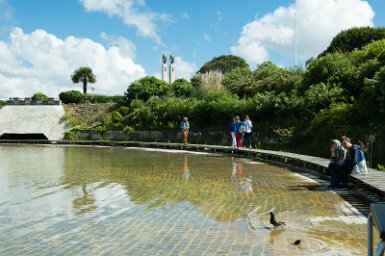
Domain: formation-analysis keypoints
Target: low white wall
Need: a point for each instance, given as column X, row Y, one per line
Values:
column 33, row 119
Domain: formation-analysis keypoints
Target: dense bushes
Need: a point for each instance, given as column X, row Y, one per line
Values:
column 223, row 64
column 71, row 97
column 40, row 96
column 340, row 92
column 77, row 97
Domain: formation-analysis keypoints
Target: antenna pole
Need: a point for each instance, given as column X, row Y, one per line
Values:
column 295, row 40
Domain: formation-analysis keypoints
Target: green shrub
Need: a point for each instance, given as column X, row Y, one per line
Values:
column 71, row 97
column 40, row 96
column 70, row 135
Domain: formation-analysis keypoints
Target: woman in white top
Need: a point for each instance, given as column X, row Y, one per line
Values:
column 248, row 125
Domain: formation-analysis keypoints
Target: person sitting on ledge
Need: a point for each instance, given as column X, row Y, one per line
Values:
column 338, row 156
column 355, row 162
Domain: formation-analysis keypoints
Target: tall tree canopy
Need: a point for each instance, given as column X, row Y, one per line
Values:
column 354, row 38
column 224, row 64
column 147, row 87
column 85, row 76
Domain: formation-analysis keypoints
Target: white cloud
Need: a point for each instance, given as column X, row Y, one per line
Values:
column 5, row 11
column 126, row 47
column 130, row 11
column 185, row 15
column 40, row 61
column 206, row 37
column 318, row 21
column 184, row 69
column 219, row 15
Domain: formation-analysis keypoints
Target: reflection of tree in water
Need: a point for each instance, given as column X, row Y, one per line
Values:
column 155, row 179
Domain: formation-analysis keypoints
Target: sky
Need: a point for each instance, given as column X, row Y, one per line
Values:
column 43, row 41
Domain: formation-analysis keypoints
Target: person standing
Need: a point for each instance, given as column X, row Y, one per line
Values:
column 185, row 127
column 248, row 126
column 238, row 131
column 232, row 132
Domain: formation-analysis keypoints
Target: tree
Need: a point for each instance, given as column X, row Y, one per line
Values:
column 182, row 88
column 335, row 68
column 39, row 95
column 84, row 75
column 354, row 38
column 147, row 87
column 239, row 81
column 270, row 77
column 223, row 64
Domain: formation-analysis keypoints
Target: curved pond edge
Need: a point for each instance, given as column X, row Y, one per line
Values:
column 371, row 186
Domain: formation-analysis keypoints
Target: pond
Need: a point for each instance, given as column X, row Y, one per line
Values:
column 118, row 201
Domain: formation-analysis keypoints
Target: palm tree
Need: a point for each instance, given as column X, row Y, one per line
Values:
column 84, row 75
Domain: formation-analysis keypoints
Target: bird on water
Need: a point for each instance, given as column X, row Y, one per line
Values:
column 275, row 222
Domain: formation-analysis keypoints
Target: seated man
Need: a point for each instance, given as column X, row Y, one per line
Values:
column 355, row 161
column 338, row 155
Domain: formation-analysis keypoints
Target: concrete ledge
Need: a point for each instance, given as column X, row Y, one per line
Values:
column 374, row 181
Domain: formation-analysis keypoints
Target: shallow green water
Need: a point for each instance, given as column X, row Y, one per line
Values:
column 115, row 201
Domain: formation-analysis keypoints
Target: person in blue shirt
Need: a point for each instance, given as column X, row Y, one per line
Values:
column 185, row 127
column 232, row 132
column 239, row 127
column 355, row 161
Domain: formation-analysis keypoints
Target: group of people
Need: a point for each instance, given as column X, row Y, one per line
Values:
column 239, row 129
column 346, row 158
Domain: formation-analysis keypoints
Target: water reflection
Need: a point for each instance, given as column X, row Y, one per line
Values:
column 84, row 203
column 240, row 183
column 186, row 170
column 132, row 202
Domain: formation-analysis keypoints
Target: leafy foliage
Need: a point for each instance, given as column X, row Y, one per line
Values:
column 71, row 97
column 223, row 64
column 354, row 38
column 182, row 88
column 145, row 88
column 77, row 97
column 342, row 91
column 39, row 95
column 84, row 75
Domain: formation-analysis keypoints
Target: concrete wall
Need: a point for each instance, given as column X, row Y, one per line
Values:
column 33, row 119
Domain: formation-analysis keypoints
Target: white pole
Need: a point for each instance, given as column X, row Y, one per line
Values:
column 295, row 40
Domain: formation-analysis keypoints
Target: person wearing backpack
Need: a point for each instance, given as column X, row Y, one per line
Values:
column 355, row 158
column 185, row 127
